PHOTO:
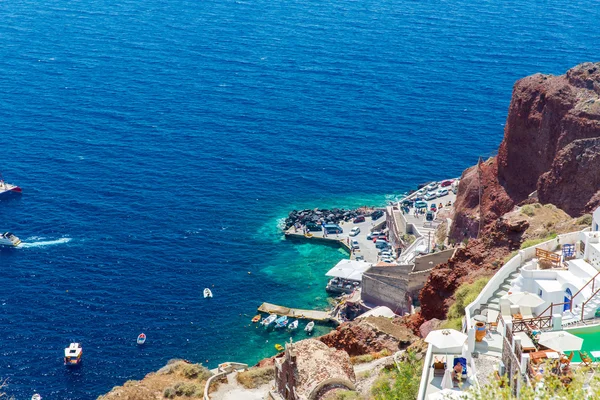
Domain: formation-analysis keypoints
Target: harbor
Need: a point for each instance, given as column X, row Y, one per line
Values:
column 314, row 315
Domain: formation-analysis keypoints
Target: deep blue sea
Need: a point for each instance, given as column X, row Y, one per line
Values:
column 158, row 144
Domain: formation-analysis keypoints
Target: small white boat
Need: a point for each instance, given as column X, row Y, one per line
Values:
column 207, row 293
column 309, row 327
column 73, row 354
column 293, row 325
column 36, row 397
column 9, row 239
column 141, row 339
column 269, row 320
column 7, row 187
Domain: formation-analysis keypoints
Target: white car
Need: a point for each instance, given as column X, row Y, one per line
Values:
column 430, row 196
column 386, row 254
column 374, row 234
column 432, row 186
column 354, row 231
column 442, row 192
column 355, row 244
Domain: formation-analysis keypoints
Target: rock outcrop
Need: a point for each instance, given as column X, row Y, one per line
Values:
column 547, row 114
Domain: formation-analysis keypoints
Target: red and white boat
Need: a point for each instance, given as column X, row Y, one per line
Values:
column 73, row 354
column 7, row 187
column 141, row 339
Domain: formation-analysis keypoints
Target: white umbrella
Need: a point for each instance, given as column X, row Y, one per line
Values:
column 561, row 341
column 446, row 338
column 447, row 394
column 525, row 299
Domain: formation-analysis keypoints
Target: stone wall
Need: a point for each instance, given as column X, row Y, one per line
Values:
column 387, row 286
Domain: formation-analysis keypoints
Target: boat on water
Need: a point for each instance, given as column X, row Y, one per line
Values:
column 141, row 339
column 293, row 325
column 281, row 322
column 269, row 320
column 7, row 187
column 73, row 354
column 36, row 396
column 278, row 347
column 207, row 293
column 9, row 239
column 256, row 318
column 309, row 327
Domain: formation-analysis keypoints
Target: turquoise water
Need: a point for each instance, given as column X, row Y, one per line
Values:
column 591, row 339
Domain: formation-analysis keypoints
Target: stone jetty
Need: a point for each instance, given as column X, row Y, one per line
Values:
column 318, row 215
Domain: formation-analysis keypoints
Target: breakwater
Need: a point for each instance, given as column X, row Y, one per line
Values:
column 318, row 215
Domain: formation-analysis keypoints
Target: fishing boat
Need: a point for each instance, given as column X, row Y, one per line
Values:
column 73, row 354
column 278, row 347
column 207, row 293
column 9, row 239
column 269, row 320
column 7, row 187
column 141, row 339
column 281, row 322
column 256, row 318
column 293, row 325
column 309, row 327
column 36, row 396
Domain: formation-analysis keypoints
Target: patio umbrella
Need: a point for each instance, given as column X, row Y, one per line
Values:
column 446, row 394
column 525, row 299
column 480, row 318
column 561, row 341
column 446, row 338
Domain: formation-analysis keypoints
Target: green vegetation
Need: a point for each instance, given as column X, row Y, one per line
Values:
column 585, row 219
column 365, row 358
column 464, row 295
column 511, row 255
column 193, row 371
column 408, row 238
column 255, row 377
column 400, row 383
column 528, row 210
column 534, row 242
column 343, row 395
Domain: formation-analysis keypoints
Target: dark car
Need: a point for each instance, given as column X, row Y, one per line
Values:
column 313, row 227
column 376, row 215
column 408, row 203
column 360, row 218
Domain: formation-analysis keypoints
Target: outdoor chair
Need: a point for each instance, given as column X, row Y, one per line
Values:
column 585, row 359
column 463, row 368
column 439, row 366
column 505, row 310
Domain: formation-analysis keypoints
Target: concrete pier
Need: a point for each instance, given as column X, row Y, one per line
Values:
column 314, row 315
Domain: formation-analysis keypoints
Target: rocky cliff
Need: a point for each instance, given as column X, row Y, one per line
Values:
column 542, row 148
column 551, row 145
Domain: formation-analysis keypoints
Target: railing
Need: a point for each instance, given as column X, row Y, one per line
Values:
column 539, row 323
column 593, row 282
column 224, row 369
column 590, row 298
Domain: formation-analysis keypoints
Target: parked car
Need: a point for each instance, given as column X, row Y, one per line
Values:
column 429, row 216
column 381, row 244
column 376, row 215
column 354, row 231
column 433, row 207
column 430, row 195
column 379, row 237
column 447, row 183
column 442, row 192
column 355, row 244
column 420, row 204
column 373, row 234
column 359, row 257
column 408, row 203
column 360, row 218
column 386, row 253
column 432, row 186
column 387, row 260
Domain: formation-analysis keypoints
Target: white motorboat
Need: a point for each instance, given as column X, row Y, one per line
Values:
column 36, row 397
column 293, row 325
column 73, row 354
column 9, row 239
column 141, row 339
column 207, row 293
column 309, row 327
column 7, row 187
column 269, row 320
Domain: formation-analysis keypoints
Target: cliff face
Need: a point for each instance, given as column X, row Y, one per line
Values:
column 547, row 114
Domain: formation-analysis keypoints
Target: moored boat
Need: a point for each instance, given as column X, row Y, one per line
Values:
column 141, row 339
column 293, row 325
column 7, row 187
column 256, row 318
column 207, row 293
column 281, row 322
column 73, row 354
column 269, row 320
column 278, row 347
column 9, row 239
column 309, row 327
column 36, row 396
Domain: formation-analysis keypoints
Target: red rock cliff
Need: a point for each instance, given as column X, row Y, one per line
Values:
column 546, row 115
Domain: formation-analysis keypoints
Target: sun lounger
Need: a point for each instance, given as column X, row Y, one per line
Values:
column 526, row 312
column 525, row 342
column 463, row 363
column 585, row 359
column 505, row 310
column 439, row 366
column 492, row 319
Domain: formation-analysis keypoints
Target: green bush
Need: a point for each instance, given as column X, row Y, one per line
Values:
column 528, row 210
column 400, row 383
column 465, row 295
column 187, row 389
column 193, row 371
column 510, row 256
column 170, row 393
column 585, row 219
column 255, row 377
column 452, row 323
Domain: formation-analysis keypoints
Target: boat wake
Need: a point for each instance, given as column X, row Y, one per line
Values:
column 44, row 243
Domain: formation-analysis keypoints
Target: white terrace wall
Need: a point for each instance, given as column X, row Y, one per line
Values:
column 511, row 266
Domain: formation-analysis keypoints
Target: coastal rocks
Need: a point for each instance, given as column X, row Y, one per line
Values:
column 370, row 335
column 547, row 117
column 317, row 215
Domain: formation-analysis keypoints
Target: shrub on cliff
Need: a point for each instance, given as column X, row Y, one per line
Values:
column 401, row 382
column 193, row 371
column 464, row 295
column 255, row 377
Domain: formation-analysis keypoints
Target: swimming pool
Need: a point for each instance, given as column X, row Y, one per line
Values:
column 591, row 339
